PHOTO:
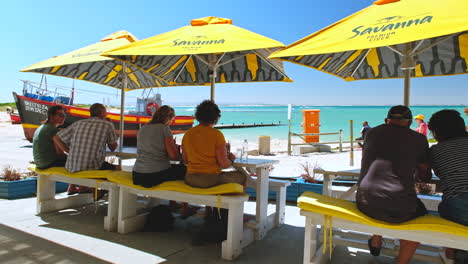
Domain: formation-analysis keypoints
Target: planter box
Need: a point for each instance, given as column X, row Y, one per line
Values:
column 293, row 191
column 24, row 188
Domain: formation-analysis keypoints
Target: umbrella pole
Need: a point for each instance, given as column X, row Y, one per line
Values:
column 212, row 65
column 406, row 92
column 213, row 78
column 122, row 106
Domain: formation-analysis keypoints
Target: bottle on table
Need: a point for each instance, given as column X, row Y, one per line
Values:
column 245, row 150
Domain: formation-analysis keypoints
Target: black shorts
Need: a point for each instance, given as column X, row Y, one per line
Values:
column 148, row 180
column 107, row 166
column 60, row 162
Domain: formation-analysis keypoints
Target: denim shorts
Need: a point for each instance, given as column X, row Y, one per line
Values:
column 455, row 209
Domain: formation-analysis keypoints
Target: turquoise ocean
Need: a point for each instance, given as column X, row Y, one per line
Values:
column 332, row 119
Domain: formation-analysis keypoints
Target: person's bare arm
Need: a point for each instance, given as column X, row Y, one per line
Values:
column 58, row 144
column 184, row 155
column 222, row 156
column 112, row 146
column 171, row 148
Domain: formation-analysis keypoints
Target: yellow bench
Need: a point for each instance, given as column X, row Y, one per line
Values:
column 47, row 202
column 229, row 196
column 336, row 213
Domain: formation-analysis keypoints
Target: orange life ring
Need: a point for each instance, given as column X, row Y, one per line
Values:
column 150, row 106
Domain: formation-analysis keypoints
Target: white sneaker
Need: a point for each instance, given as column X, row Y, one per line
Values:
column 444, row 258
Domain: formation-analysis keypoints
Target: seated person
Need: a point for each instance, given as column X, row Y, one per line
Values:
column 155, row 148
column 86, row 140
column 449, row 160
column 45, row 153
column 204, row 151
column 391, row 155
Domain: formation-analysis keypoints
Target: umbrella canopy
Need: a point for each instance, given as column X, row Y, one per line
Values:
column 87, row 64
column 389, row 39
column 210, row 50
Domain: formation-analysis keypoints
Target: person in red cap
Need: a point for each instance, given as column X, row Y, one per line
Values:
column 422, row 126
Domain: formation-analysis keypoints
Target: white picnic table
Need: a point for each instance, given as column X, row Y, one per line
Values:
column 261, row 167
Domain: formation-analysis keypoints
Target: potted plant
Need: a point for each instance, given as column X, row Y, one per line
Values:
column 20, row 184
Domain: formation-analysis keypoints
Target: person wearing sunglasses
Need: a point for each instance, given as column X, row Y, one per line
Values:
column 45, row 153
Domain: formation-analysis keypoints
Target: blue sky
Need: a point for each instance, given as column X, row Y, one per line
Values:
column 33, row 31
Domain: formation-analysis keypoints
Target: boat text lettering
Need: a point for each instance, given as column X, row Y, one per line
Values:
column 35, row 107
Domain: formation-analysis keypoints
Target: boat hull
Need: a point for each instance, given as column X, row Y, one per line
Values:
column 15, row 119
column 32, row 112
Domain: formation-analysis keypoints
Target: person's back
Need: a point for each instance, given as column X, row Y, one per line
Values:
column 390, row 158
column 43, row 148
column 204, row 151
column 87, row 140
column 449, row 160
column 200, row 143
column 151, row 149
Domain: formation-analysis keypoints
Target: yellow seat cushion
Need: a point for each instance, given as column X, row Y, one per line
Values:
column 92, row 174
column 125, row 178
column 334, row 207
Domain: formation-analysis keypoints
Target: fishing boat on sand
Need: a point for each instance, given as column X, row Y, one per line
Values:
column 33, row 104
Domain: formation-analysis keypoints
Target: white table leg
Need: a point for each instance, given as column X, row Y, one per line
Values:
column 327, row 184
column 280, row 206
column 111, row 221
column 262, row 203
column 128, row 220
column 45, row 192
column 232, row 246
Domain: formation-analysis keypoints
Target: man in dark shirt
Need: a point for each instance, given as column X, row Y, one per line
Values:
column 392, row 157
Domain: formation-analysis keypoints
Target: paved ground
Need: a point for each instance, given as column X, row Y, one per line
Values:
column 77, row 235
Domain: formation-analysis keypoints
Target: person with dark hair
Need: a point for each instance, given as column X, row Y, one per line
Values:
column 155, row 148
column 204, row 151
column 85, row 141
column 46, row 153
column 392, row 158
column 449, row 160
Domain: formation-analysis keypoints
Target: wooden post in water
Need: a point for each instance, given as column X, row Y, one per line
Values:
column 341, row 140
column 351, row 152
column 289, row 128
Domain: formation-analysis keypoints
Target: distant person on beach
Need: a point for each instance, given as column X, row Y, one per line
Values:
column 86, row 141
column 45, row 153
column 392, row 157
column 155, row 148
column 466, row 113
column 204, row 151
column 364, row 129
column 422, row 126
column 449, row 160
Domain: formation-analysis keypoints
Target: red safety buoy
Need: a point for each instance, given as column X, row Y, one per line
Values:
column 151, row 108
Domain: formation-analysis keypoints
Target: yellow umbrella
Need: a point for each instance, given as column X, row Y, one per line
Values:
column 389, row 39
column 87, row 64
column 210, row 50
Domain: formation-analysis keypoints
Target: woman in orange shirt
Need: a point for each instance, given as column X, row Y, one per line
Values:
column 204, row 151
